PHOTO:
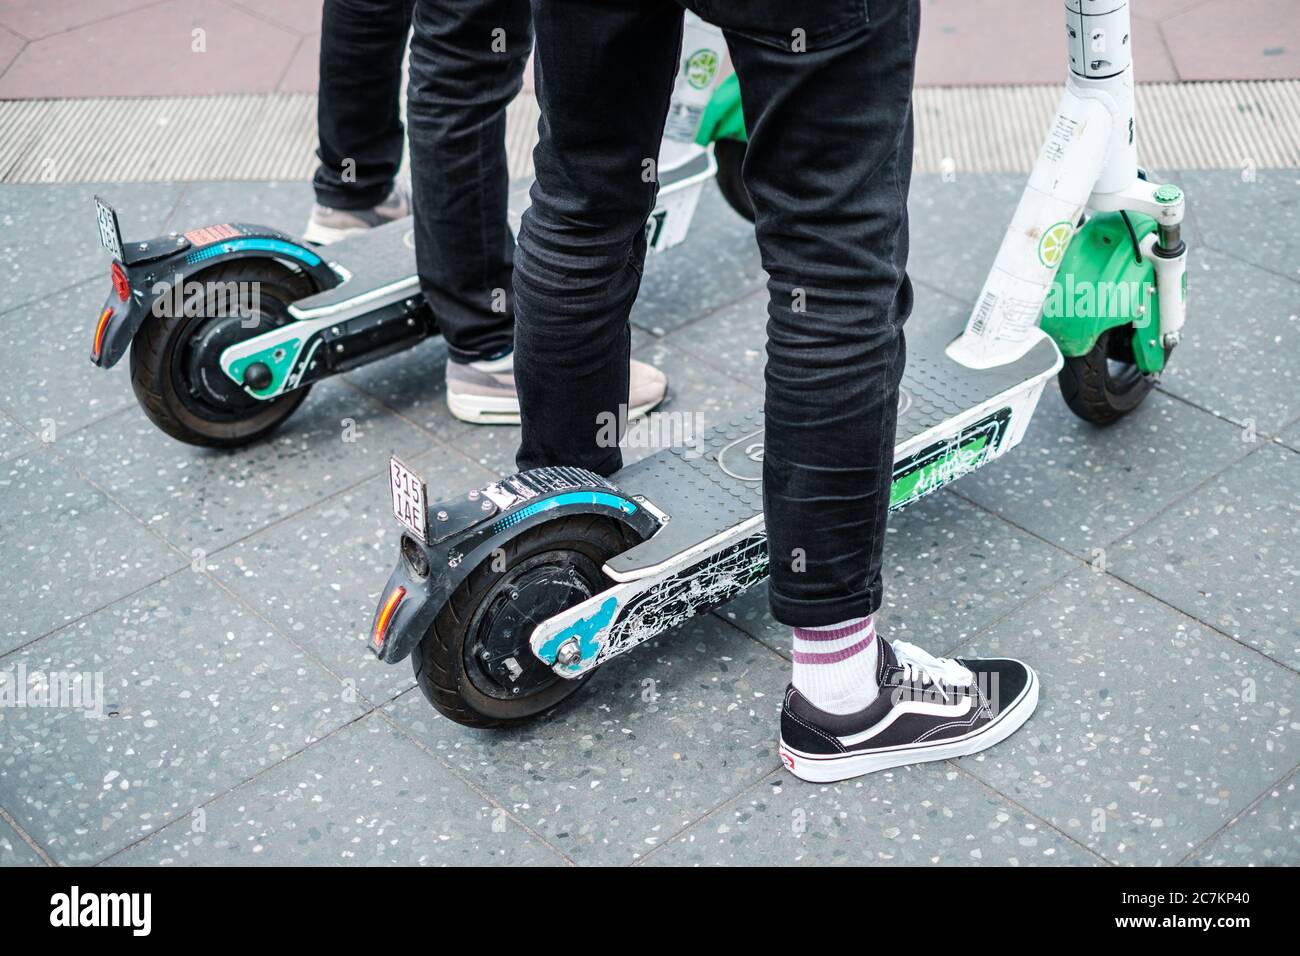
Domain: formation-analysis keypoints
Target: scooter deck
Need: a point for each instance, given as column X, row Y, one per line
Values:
column 951, row 420
column 377, row 266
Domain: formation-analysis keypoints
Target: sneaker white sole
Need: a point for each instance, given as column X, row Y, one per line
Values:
column 828, row 768
column 487, row 410
column 319, row 235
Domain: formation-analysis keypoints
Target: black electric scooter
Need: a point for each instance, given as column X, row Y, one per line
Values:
column 229, row 326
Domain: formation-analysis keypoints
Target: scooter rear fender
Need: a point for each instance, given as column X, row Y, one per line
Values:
column 476, row 525
column 156, row 271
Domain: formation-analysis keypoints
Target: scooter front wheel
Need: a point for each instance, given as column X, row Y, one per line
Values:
column 474, row 663
column 175, row 368
column 1104, row 384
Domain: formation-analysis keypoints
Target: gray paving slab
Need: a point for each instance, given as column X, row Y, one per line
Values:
column 716, row 265
column 14, row 850
column 1229, row 555
column 660, row 737
column 698, row 394
column 198, row 693
column 1252, row 213
column 951, row 569
column 1240, row 353
column 929, row 815
column 365, row 796
column 14, row 439
column 956, row 226
column 50, row 239
column 198, row 498
column 1267, row 835
column 733, row 339
column 319, row 575
column 1291, row 436
column 69, row 549
column 47, row 381
column 281, row 205
column 1083, row 487
column 1151, row 730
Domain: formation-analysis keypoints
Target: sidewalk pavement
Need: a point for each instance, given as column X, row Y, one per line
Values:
column 81, row 48
column 1148, row 571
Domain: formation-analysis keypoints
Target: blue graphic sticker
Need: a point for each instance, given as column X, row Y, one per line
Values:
column 274, row 246
column 569, row 498
column 585, row 630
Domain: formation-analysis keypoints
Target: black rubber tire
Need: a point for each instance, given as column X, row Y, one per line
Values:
column 439, row 662
column 730, row 156
column 154, row 360
column 1104, row 385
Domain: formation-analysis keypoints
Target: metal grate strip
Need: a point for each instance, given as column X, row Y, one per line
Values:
column 958, row 129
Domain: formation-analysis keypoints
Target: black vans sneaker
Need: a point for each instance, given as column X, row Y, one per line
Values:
column 929, row 708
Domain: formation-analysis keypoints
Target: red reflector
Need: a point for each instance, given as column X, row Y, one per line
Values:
column 120, row 284
column 386, row 615
column 99, row 330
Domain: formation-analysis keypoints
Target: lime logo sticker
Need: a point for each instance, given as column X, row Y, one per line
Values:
column 1052, row 246
column 701, row 67
column 944, row 461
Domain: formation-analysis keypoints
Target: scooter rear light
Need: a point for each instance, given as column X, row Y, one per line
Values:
column 121, row 285
column 386, row 615
column 100, row 329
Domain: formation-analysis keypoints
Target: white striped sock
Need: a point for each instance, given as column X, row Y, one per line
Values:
column 835, row 666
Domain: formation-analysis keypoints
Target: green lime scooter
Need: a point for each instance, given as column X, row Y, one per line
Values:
column 508, row 597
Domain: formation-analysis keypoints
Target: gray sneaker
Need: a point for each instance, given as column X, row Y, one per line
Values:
column 328, row 225
column 484, row 392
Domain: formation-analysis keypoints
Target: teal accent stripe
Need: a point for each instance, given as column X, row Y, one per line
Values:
column 557, row 501
column 274, row 246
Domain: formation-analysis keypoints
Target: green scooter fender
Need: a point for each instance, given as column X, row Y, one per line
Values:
column 723, row 118
column 1101, row 285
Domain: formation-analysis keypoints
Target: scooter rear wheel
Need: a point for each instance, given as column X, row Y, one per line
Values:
column 174, row 358
column 1104, row 384
column 474, row 663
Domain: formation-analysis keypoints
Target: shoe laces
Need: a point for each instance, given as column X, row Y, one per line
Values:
column 919, row 665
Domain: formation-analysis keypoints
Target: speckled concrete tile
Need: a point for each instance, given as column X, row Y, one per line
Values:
column 1229, row 555
column 366, row 796
column 414, row 385
column 1268, row 835
column 283, row 206
column 47, row 381
column 1151, row 730
column 198, row 694
column 929, row 815
column 50, row 239
column 319, row 575
column 700, row 392
column 1083, row 487
column 1256, row 220
column 14, row 850
column 956, row 227
column 69, row 550
column 14, row 439
column 205, row 499
column 662, row 735
column 1240, row 354
column 716, row 265
column 733, row 339
column 951, row 569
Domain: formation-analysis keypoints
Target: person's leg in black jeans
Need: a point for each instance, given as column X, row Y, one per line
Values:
column 363, row 43
column 467, row 64
column 604, row 76
column 828, row 166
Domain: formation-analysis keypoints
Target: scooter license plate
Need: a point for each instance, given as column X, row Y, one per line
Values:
column 110, row 233
column 410, row 499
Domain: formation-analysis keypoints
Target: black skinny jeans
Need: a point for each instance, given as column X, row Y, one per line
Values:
column 826, row 87
column 467, row 63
